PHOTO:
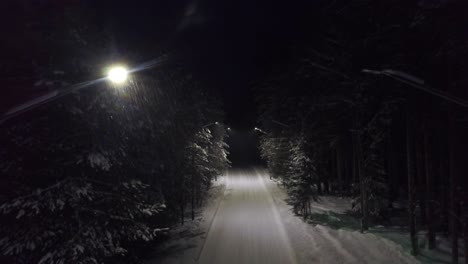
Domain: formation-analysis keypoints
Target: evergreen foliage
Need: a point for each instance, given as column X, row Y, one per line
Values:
column 335, row 127
column 86, row 177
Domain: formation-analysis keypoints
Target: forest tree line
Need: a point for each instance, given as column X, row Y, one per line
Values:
column 372, row 104
column 86, row 178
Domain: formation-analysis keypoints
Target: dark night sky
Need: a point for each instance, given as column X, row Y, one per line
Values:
column 227, row 43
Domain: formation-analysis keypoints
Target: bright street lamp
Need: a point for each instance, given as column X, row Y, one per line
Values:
column 117, row 74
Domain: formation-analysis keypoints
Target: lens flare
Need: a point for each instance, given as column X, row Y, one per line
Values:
column 117, row 74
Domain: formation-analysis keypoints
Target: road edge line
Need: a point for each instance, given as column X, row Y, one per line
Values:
column 211, row 223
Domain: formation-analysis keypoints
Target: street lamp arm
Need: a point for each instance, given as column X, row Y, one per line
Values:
column 44, row 99
column 117, row 74
column 279, row 123
column 417, row 83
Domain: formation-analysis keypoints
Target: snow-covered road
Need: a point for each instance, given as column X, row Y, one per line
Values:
column 247, row 227
column 249, row 222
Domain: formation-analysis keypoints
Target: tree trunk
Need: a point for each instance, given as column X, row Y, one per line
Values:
column 444, row 176
column 193, row 201
column 362, row 184
column 182, row 210
column 391, row 170
column 354, row 159
column 333, row 181
column 420, row 175
column 193, row 188
column 326, row 185
column 339, row 167
column 429, row 186
column 466, row 240
column 411, row 178
column 347, row 163
column 359, row 171
column 454, row 205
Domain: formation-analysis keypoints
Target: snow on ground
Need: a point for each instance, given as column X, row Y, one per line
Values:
column 186, row 241
column 332, row 212
column 331, row 204
column 442, row 254
column 321, row 244
column 247, row 221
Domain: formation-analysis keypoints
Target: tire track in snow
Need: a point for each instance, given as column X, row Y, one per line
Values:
column 247, row 227
column 278, row 221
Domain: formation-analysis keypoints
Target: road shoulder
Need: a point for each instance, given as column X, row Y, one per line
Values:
column 185, row 242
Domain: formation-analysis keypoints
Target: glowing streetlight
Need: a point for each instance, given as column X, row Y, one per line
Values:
column 260, row 130
column 210, row 124
column 117, row 74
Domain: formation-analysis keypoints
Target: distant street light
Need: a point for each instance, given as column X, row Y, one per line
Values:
column 210, row 124
column 216, row 124
column 259, row 130
column 117, row 74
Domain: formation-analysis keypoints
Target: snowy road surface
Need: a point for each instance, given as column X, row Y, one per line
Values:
column 249, row 222
column 247, row 227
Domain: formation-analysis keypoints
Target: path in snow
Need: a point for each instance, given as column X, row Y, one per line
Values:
column 251, row 223
column 247, row 227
